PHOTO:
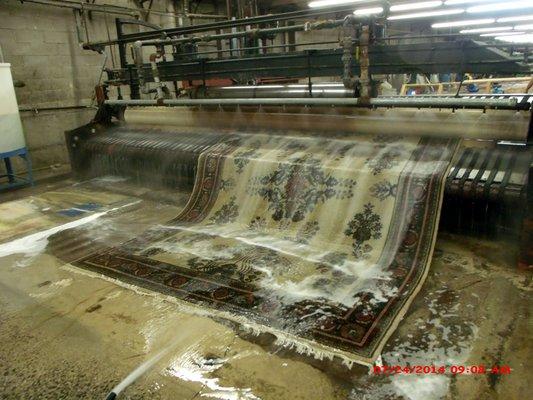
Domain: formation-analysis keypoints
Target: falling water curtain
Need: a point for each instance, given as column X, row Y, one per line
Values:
column 323, row 242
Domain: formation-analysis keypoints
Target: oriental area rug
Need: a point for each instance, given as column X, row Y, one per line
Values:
column 322, row 242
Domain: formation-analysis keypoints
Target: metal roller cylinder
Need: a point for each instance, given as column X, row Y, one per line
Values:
column 476, row 124
column 153, row 157
column 318, row 90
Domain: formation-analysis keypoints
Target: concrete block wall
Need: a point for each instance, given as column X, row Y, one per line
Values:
column 41, row 44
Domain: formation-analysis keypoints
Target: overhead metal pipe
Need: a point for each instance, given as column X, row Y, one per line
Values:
column 436, row 102
column 318, row 90
column 187, row 30
column 114, row 9
column 308, row 26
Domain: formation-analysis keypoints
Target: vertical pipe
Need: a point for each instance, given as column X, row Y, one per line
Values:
column 138, row 59
column 155, row 74
column 78, row 28
column 234, row 42
column 84, row 19
column 292, row 37
column 218, row 32
column 180, row 16
column 228, row 9
column 364, row 62
column 9, row 170
column 349, row 35
column 134, row 86
column 185, row 9
column 121, row 46
column 219, row 44
column 283, row 37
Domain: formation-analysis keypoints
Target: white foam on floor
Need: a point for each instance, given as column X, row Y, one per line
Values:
column 192, row 367
column 35, row 243
column 52, row 289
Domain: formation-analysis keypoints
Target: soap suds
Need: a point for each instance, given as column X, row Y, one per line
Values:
column 33, row 244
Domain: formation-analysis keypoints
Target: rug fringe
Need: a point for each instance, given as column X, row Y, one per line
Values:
column 286, row 340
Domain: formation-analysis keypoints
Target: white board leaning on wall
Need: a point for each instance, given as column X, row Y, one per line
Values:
column 11, row 135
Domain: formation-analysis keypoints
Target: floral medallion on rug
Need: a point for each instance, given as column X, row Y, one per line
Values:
column 322, row 242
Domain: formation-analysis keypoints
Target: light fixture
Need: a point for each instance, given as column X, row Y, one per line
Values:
column 491, row 29
column 502, row 33
column 256, row 87
column 427, row 14
column 325, row 3
column 501, row 6
column 468, row 22
column 415, row 6
column 368, row 11
column 455, row 2
column 523, row 27
column 516, row 38
column 516, row 18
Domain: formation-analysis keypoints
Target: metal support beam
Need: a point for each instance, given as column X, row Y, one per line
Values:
column 386, row 59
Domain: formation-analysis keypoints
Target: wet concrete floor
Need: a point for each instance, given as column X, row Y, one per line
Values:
column 65, row 334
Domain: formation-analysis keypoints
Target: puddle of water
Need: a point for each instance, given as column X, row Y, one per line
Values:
column 35, row 243
column 445, row 337
column 191, row 366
